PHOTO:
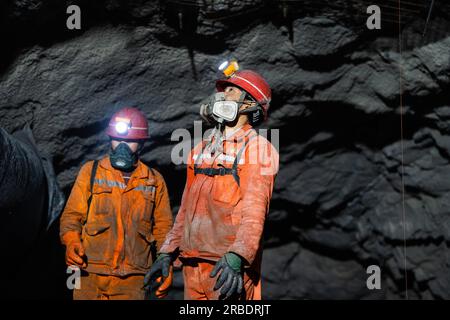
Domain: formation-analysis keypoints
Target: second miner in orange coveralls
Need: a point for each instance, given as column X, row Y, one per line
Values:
column 230, row 178
column 113, row 231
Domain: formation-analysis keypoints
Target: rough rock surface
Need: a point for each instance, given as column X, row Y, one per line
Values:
column 338, row 205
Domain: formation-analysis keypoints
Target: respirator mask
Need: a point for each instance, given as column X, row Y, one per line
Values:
column 122, row 158
column 219, row 110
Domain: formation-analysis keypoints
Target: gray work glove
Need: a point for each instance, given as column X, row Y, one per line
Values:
column 230, row 280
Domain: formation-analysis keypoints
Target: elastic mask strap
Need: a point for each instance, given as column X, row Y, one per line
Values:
column 252, row 109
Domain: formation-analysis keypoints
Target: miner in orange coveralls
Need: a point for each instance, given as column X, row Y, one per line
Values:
column 117, row 217
column 230, row 177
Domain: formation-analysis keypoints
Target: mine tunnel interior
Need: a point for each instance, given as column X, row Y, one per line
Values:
column 337, row 200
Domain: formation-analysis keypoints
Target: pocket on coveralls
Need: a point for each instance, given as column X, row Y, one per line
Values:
column 96, row 241
column 226, row 194
column 226, row 191
column 143, row 247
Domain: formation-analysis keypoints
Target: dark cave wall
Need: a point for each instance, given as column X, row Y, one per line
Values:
column 337, row 205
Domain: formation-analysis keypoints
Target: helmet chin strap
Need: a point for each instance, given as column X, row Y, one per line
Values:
column 250, row 109
column 241, row 99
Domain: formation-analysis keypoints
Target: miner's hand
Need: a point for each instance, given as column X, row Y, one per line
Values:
column 161, row 271
column 230, row 280
column 75, row 254
column 164, row 287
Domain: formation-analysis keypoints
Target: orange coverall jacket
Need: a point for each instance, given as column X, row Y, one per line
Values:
column 216, row 214
column 124, row 221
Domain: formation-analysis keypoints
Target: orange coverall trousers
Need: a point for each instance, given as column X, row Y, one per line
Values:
column 107, row 287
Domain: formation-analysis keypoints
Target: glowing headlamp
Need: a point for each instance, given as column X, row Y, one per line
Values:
column 229, row 67
column 122, row 126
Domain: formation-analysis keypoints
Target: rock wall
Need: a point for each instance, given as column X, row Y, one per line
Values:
column 338, row 205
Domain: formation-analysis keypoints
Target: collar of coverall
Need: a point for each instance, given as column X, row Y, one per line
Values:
column 140, row 172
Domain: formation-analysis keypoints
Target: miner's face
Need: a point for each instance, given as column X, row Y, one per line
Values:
column 233, row 93
column 133, row 145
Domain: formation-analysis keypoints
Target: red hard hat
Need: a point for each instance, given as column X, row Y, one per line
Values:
column 128, row 124
column 253, row 83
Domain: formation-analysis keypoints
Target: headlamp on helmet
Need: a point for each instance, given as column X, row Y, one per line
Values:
column 122, row 126
column 229, row 67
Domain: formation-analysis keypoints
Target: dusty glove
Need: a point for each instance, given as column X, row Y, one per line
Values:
column 160, row 272
column 230, row 280
column 165, row 284
column 74, row 250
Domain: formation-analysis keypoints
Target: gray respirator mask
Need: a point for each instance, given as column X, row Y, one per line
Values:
column 219, row 110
